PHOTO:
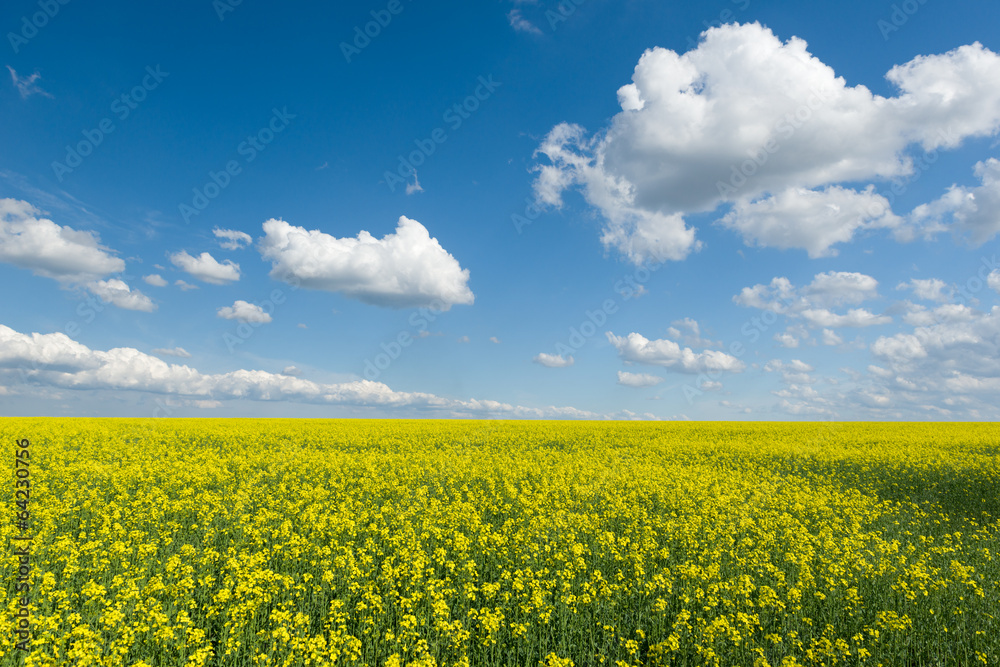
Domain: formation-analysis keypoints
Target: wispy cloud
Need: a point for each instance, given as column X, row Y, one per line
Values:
column 521, row 24
column 415, row 185
column 27, row 85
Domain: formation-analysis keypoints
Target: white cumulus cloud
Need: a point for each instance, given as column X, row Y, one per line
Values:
column 553, row 360
column 812, row 303
column 117, row 292
column 830, row 337
column 636, row 348
column 206, row 268
column 814, row 220
column 763, row 125
column 972, row 213
column 929, row 289
column 245, row 312
column 35, row 243
column 993, row 280
column 405, row 269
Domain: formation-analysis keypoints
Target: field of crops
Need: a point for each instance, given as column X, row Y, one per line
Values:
column 308, row 542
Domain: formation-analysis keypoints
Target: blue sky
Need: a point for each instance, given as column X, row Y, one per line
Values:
column 720, row 210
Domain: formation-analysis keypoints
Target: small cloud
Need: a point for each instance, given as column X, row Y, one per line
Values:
column 118, row 292
column 638, row 379
column 173, row 352
column 323, row 166
column 693, row 336
column 415, row 185
column 931, row 289
column 292, row 371
column 245, row 312
column 553, row 360
column 521, row 24
column 830, row 337
column 234, row 239
column 26, row 85
column 494, row 339
column 855, row 317
column 207, row 268
column 155, row 280
column 185, row 286
column 463, row 339
column 301, row 326
column 786, row 340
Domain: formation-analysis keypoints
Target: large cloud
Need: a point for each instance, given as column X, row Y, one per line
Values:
column 72, row 257
column 406, row 269
column 748, row 120
column 46, row 249
column 55, row 360
column 809, row 219
column 55, row 351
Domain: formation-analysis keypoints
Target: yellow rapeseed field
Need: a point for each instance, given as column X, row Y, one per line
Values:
column 357, row 542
